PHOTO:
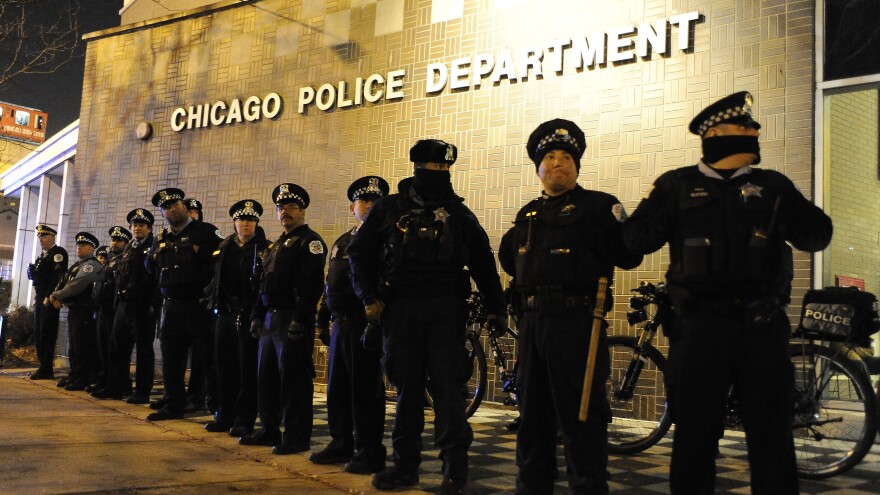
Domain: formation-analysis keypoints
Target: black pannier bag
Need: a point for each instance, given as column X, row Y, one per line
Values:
column 838, row 314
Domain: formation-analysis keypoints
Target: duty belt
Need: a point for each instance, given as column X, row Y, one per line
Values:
column 531, row 302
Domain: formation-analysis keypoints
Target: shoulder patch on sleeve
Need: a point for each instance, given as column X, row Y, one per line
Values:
column 619, row 212
column 58, row 258
column 218, row 233
column 88, row 269
column 316, row 247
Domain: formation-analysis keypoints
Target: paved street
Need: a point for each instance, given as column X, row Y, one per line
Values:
column 60, row 442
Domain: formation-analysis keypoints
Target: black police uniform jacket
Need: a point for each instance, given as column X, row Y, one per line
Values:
column 183, row 261
column 233, row 290
column 133, row 282
column 407, row 246
column 339, row 296
column 564, row 243
column 104, row 290
column 292, row 275
column 725, row 236
column 47, row 271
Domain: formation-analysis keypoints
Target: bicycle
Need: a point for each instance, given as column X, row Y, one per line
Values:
column 835, row 412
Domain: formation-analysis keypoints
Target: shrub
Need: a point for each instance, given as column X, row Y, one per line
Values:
column 19, row 326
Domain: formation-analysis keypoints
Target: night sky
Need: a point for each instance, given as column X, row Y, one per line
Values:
column 59, row 94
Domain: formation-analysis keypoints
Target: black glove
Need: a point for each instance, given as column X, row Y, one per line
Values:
column 494, row 327
column 30, row 271
column 372, row 336
column 324, row 334
column 256, row 328
column 296, row 331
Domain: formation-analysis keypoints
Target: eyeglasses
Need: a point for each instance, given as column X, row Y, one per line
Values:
column 288, row 207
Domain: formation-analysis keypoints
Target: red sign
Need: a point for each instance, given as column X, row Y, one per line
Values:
column 22, row 123
column 844, row 281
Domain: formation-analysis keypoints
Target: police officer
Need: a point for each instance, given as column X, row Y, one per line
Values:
column 726, row 223
column 407, row 261
column 181, row 259
column 75, row 292
column 104, row 299
column 231, row 296
column 194, row 208
column 101, row 255
column 560, row 245
column 355, row 389
column 45, row 273
column 284, row 319
column 134, row 323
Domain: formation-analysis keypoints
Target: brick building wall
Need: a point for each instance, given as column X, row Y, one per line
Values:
column 634, row 113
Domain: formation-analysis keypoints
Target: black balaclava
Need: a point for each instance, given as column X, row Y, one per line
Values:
column 719, row 147
column 433, row 185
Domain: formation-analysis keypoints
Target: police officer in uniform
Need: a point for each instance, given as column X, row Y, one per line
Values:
column 407, row 261
column 101, row 255
column 231, row 296
column 560, row 245
column 134, row 323
column 194, row 208
column 284, row 319
column 45, row 273
column 181, row 259
column 104, row 299
column 75, row 292
column 355, row 389
column 726, row 223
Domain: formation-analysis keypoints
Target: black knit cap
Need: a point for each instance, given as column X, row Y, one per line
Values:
column 557, row 134
column 369, row 187
column 289, row 192
column 193, row 204
column 140, row 215
column 732, row 109
column 246, row 209
column 433, row 150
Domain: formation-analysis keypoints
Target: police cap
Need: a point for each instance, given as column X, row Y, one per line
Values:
column 87, row 238
column 290, row 193
column 140, row 215
column 433, row 150
column 192, row 204
column 43, row 229
column 733, row 109
column 370, row 187
column 101, row 251
column 557, row 134
column 246, row 209
column 165, row 197
column 118, row 232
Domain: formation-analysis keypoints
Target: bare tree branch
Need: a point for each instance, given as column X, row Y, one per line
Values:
column 37, row 36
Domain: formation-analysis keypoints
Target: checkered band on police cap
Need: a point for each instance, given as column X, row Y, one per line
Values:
column 556, row 134
column 140, row 215
column 101, row 251
column 369, row 187
column 732, row 109
column 290, row 193
column 87, row 238
column 248, row 209
column 43, row 229
column 166, row 196
column 119, row 232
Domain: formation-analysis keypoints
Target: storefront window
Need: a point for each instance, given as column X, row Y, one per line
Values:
column 852, row 38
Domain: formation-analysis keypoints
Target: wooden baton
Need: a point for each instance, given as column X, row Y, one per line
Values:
column 598, row 314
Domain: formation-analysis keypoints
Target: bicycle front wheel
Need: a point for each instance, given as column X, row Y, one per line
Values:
column 834, row 412
column 639, row 419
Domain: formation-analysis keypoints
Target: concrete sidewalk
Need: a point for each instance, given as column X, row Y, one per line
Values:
column 55, row 441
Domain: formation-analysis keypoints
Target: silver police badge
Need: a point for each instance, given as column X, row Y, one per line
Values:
column 748, row 190
column 450, row 155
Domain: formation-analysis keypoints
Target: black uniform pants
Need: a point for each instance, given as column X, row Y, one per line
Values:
column 552, row 363
column 45, row 333
column 286, row 371
column 104, row 321
column 83, row 345
column 425, row 339
column 710, row 353
column 235, row 353
column 355, row 392
column 184, row 326
column 134, row 327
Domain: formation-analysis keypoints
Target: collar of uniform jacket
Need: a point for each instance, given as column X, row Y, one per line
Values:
column 711, row 173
